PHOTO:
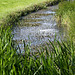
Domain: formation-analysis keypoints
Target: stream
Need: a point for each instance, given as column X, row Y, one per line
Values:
column 38, row 27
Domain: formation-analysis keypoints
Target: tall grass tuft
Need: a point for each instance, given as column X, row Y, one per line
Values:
column 12, row 63
column 53, row 59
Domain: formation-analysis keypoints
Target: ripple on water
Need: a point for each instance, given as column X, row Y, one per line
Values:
column 39, row 26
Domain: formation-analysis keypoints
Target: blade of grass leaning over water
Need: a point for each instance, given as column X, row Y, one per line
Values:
column 54, row 58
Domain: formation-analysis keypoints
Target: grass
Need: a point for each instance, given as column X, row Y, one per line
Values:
column 66, row 16
column 12, row 9
column 53, row 59
column 15, row 5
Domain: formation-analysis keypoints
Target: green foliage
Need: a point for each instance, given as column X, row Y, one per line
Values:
column 72, row 25
column 66, row 6
column 12, row 63
column 13, row 9
column 53, row 59
column 66, row 16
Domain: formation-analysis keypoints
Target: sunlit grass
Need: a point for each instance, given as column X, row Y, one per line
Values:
column 53, row 59
column 8, row 7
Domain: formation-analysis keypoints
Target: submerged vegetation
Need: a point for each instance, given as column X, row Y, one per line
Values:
column 53, row 59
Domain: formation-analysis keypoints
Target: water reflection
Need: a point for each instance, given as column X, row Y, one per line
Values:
column 39, row 26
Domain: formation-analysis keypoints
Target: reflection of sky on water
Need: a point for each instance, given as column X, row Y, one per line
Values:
column 38, row 34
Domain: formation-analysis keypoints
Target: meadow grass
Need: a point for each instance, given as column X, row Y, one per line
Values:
column 7, row 6
column 12, row 9
column 53, row 59
column 66, row 16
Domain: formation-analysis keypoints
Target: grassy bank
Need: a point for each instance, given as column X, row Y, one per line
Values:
column 66, row 16
column 10, row 11
column 53, row 59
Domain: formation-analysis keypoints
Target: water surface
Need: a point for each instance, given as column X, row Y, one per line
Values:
column 38, row 27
